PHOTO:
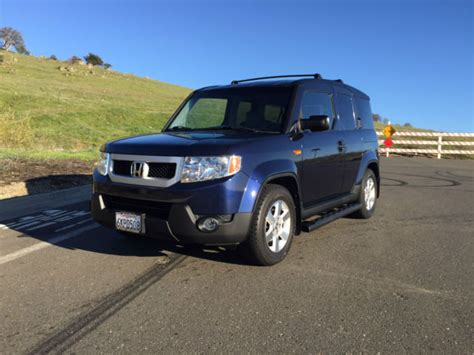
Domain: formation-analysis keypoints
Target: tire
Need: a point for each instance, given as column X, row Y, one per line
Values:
column 368, row 196
column 273, row 248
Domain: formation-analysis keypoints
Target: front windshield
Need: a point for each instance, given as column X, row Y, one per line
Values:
column 249, row 109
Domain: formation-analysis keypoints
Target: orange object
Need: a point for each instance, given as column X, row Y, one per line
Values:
column 297, row 152
column 389, row 131
column 234, row 164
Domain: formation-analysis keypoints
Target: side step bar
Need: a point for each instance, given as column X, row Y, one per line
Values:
column 329, row 217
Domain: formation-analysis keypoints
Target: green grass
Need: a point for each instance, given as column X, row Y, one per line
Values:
column 48, row 112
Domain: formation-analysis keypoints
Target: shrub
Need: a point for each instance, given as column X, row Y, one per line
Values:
column 74, row 60
column 408, row 125
column 93, row 59
column 53, row 57
column 107, row 66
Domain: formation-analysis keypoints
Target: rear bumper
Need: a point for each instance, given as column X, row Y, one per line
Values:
column 177, row 224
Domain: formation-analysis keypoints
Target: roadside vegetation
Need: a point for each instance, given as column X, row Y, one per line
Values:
column 51, row 108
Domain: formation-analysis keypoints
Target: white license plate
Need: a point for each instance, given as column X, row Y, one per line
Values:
column 129, row 222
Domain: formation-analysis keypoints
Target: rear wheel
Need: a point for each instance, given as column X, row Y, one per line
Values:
column 273, row 226
column 368, row 196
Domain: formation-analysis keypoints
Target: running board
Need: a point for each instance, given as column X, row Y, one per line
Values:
column 329, row 217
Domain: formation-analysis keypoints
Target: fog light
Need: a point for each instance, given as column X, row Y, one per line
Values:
column 208, row 224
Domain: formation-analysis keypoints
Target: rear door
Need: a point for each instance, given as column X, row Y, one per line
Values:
column 349, row 144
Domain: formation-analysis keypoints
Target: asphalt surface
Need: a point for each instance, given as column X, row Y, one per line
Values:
column 399, row 282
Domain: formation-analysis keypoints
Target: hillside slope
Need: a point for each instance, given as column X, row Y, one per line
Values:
column 50, row 106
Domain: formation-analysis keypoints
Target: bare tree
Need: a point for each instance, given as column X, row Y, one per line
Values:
column 12, row 38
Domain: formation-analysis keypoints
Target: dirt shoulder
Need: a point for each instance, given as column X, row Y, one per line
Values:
column 22, row 176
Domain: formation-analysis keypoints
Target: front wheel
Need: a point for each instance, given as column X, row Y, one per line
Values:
column 273, row 226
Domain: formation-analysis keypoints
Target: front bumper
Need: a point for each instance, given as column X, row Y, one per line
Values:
column 175, row 222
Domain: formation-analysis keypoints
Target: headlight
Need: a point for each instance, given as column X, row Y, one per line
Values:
column 209, row 168
column 103, row 163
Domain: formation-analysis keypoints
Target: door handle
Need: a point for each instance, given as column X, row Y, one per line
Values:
column 341, row 146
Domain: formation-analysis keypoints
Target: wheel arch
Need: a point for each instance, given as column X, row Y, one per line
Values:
column 289, row 181
column 369, row 161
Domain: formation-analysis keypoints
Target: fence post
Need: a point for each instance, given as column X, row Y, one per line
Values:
column 440, row 145
column 387, row 152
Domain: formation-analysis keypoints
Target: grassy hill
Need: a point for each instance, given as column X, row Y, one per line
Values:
column 51, row 109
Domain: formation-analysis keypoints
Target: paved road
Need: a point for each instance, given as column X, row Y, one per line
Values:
column 400, row 282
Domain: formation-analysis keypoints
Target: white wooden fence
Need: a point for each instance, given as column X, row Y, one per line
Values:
column 439, row 143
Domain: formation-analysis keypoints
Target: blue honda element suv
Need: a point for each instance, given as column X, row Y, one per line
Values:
column 253, row 164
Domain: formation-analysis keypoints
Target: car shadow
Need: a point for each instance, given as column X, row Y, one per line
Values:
column 91, row 237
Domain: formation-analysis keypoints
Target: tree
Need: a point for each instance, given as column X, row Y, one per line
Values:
column 12, row 38
column 376, row 117
column 93, row 59
column 107, row 65
column 22, row 50
column 408, row 125
column 53, row 57
column 386, row 121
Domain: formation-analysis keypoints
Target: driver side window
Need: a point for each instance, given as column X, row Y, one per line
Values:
column 316, row 104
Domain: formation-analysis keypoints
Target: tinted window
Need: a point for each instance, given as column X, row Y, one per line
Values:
column 207, row 112
column 258, row 109
column 274, row 113
column 243, row 108
column 345, row 112
column 316, row 104
column 364, row 113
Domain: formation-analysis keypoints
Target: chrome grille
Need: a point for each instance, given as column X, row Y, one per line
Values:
column 146, row 170
column 156, row 170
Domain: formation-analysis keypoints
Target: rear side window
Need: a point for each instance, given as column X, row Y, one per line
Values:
column 345, row 112
column 364, row 113
column 316, row 104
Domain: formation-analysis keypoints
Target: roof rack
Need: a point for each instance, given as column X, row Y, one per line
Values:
column 316, row 76
column 339, row 81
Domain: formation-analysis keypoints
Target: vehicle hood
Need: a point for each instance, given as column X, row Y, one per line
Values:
column 180, row 143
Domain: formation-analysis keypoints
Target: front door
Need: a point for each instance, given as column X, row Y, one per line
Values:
column 322, row 166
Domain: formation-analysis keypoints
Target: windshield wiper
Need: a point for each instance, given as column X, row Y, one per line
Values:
column 179, row 128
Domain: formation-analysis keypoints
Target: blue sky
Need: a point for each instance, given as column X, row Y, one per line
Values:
column 414, row 58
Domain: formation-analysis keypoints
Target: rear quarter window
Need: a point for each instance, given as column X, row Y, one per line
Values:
column 364, row 112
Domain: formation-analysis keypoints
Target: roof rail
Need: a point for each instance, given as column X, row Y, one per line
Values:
column 316, row 76
column 339, row 81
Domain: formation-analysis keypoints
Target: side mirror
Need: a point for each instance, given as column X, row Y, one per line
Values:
column 316, row 123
